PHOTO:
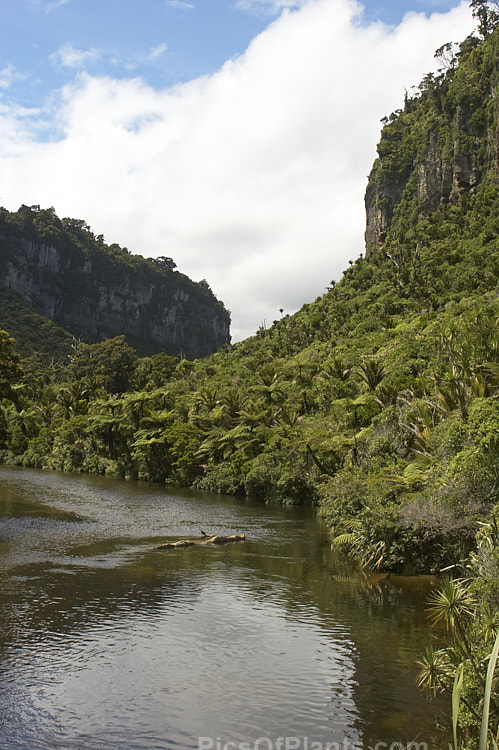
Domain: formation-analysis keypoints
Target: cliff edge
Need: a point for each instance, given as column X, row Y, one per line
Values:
column 62, row 271
column 441, row 147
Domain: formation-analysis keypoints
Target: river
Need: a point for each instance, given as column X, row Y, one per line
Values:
column 107, row 644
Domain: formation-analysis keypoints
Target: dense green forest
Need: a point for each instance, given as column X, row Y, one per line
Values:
column 378, row 402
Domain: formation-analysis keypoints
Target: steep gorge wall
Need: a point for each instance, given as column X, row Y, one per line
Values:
column 441, row 146
column 99, row 292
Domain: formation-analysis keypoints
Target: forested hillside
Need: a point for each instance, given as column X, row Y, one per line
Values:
column 377, row 402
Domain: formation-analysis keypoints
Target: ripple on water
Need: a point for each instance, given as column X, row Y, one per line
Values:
column 213, row 664
column 106, row 644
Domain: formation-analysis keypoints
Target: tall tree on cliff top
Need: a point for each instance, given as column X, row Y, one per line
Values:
column 487, row 13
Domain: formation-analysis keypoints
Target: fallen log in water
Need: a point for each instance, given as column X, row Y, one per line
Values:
column 205, row 540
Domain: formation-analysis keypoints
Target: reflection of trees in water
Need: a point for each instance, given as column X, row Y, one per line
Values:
column 379, row 618
column 68, row 601
column 385, row 619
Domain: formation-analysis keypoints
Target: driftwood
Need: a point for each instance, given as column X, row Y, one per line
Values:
column 205, row 540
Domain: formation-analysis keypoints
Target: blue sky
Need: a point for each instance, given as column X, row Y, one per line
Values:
column 47, row 41
column 163, row 42
column 232, row 135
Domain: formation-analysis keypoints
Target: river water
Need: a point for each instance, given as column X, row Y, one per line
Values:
column 108, row 644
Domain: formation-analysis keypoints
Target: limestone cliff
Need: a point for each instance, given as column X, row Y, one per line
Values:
column 441, row 146
column 96, row 291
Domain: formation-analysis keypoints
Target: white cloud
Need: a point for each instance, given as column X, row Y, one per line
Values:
column 156, row 52
column 145, row 58
column 179, row 4
column 56, row 4
column 48, row 7
column 253, row 177
column 268, row 7
column 8, row 76
column 69, row 56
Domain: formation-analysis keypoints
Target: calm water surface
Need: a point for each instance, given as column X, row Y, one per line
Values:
column 106, row 643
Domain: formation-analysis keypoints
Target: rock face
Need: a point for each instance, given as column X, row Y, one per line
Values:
column 443, row 144
column 97, row 291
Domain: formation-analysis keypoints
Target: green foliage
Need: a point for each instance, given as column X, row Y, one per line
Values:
column 109, row 366
column 10, row 368
column 466, row 665
column 487, row 14
column 10, row 374
column 456, row 697
column 378, row 402
column 35, row 335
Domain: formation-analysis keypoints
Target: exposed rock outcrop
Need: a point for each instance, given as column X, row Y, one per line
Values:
column 97, row 291
column 441, row 145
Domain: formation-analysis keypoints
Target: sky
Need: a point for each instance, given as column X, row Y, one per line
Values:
column 234, row 136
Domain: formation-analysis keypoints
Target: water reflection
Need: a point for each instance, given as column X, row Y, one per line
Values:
column 106, row 643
